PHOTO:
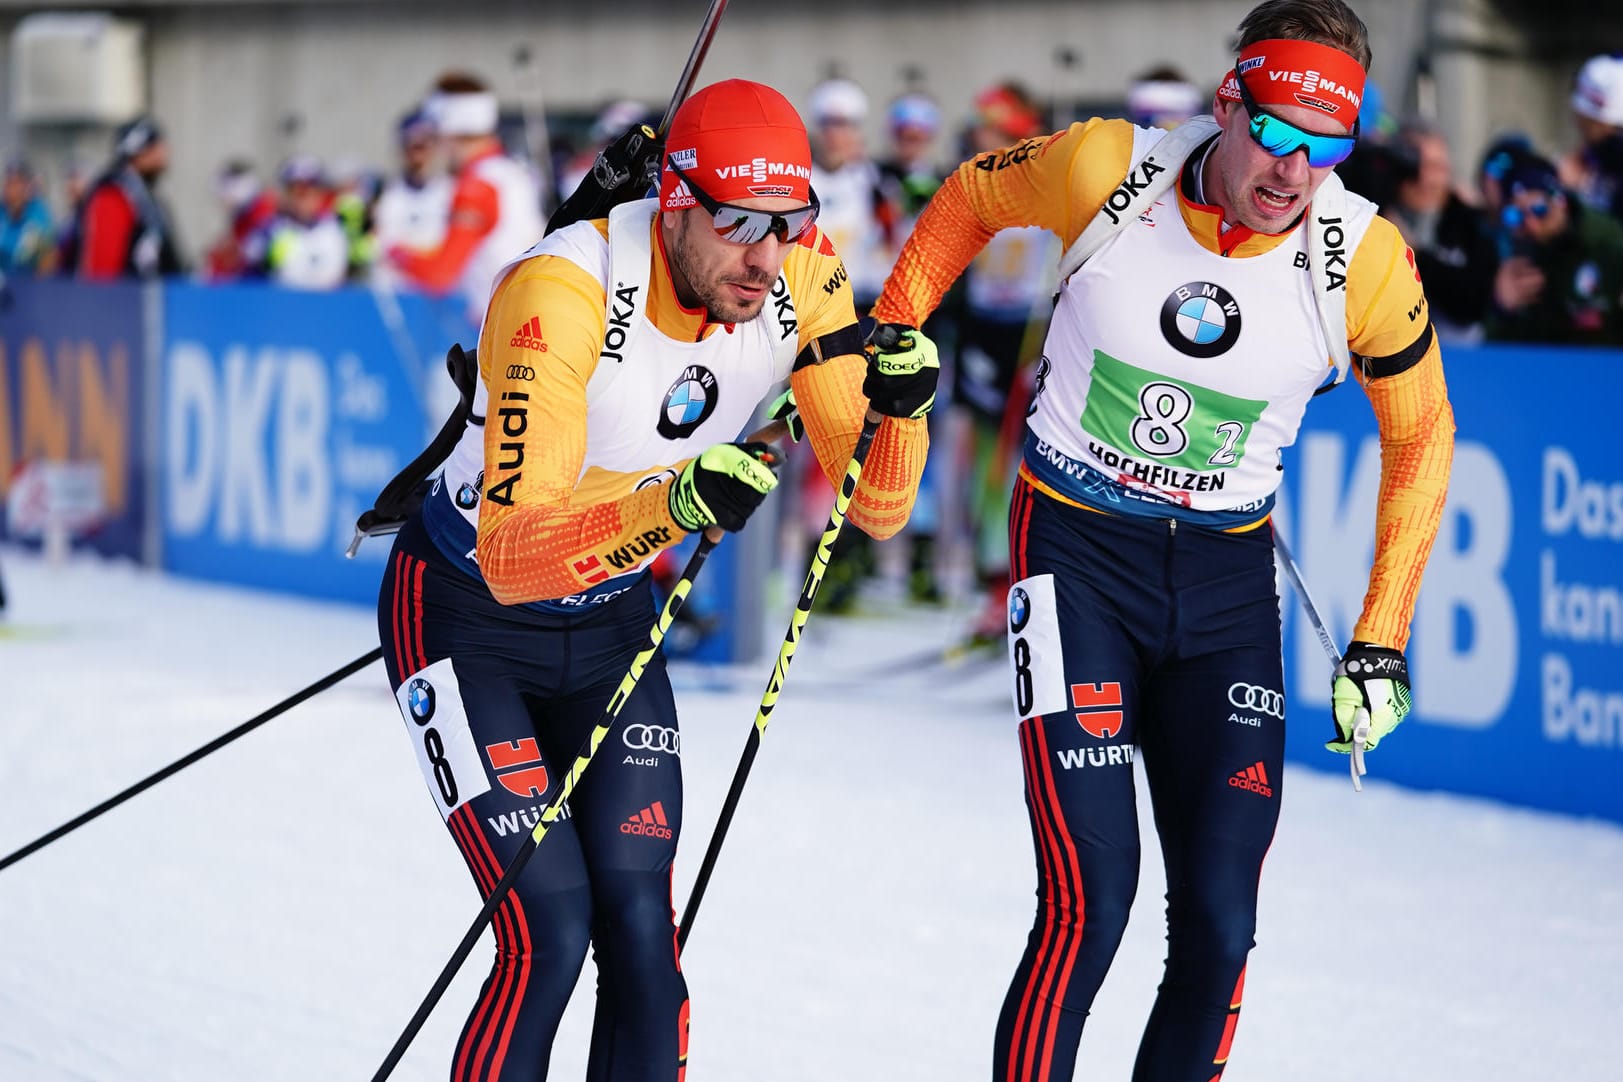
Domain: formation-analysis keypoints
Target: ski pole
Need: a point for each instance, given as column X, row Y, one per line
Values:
column 1361, row 721
column 786, row 654
column 187, row 760
column 634, row 158
column 583, row 759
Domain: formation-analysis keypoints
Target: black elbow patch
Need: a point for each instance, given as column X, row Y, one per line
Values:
column 847, row 339
column 1401, row 361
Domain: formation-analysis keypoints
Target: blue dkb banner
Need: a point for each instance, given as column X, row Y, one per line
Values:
column 283, row 415
column 1517, row 652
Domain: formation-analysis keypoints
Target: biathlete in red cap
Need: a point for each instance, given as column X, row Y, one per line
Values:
column 619, row 360
column 1215, row 277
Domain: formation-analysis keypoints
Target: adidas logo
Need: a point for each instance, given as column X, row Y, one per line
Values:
column 1253, row 779
column 650, row 822
column 680, row 197
column 529, row 336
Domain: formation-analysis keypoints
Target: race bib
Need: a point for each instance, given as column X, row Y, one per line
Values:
column 431, row 704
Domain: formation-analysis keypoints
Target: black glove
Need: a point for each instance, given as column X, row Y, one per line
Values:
column 902, row 371
column 723, row 485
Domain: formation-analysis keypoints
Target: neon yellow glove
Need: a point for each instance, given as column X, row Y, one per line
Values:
column 723, row 485
column 1372, row 679
column 902, row 371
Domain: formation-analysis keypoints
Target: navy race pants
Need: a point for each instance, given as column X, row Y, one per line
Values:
column 497, row 702
column 1132, row 639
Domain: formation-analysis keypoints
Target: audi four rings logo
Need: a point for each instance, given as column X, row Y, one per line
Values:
column 1264, row 700
column 520, row 371
column 652, row 738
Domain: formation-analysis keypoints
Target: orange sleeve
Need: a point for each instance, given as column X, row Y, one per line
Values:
column 832, row 405
column 1057, row 182
column 475, row 207
column 1389, row 328
column 539, row 537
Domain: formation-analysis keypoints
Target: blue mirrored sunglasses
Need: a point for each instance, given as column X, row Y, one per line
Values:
column 1281, row 138
column 744, row 225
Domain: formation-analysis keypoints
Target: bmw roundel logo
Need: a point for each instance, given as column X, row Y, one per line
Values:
column 420, row 700
column 1200, row 319
column 1019, row 610
column 689, row 403
column 467, row 497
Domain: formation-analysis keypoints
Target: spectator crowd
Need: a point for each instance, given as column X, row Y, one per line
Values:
column 1531, row 252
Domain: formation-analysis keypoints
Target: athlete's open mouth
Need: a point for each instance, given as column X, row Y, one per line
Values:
column 1274, row 201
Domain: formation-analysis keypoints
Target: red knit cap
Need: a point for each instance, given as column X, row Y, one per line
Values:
column 736, row 140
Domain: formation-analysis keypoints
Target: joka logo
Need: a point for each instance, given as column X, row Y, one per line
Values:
column 527, row 337
column 650, row 822
column 420, row 697
column 1264, row 700
column 1253, row 779
column 689, row 403
column 1019, row 610
column 1200, row 319
column 467, row 497
column 1091, row 699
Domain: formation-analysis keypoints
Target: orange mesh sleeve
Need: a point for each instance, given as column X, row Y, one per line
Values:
column 1057, row 182
column 833, row 407
column 1417, row 451
column 1387, row 321
column 538, row 350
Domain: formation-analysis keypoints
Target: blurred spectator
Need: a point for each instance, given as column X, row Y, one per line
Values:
column 27, row 241
column 306, row 247
column 1594, row 171
column 75, row 182
column 856, row 216
column 1561, row 279
column 1163, row 98
column 412, row 209
column 495, row 210
column 611, row 123
column 123, row 229
column 1007, row 291
column 1497, row 160
column 250, row 208
column 1453, row 251
column 912, row 172
column 355, row 189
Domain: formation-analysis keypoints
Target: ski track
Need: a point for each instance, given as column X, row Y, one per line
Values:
column 278, row 910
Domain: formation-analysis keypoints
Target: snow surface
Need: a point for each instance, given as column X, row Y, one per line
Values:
column 277, row 910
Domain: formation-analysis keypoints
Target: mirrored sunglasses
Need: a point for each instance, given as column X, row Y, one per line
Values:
column 1281, row 138
column 744, row 225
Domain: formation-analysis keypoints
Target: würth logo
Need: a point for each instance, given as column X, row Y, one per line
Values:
column 1253, row 779
column 591, row 570
column 650, row 822
column 529, row 336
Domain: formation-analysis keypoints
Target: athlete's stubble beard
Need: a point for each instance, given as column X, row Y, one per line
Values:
column 702, row 272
